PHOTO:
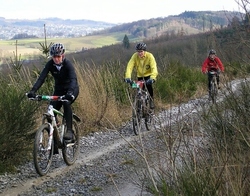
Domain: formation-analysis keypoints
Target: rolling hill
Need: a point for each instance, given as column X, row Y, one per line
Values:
column 188, row 22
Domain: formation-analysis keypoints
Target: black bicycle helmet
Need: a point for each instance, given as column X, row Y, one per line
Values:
column 212, row 51
column 141, row 46
column 57, row 50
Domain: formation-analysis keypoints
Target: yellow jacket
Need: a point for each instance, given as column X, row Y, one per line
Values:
column 145, row 66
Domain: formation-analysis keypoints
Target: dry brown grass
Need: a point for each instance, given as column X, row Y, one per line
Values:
column 94, row 105
column 201, row 91
column 7, row 51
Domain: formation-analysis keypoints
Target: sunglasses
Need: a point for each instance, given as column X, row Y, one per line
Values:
column 140, row 51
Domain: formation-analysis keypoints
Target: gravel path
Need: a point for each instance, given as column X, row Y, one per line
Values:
column 100, row 168
column 106, row 165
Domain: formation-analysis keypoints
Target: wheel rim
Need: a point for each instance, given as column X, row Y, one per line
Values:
column 71, row 150
column 213, row 92
column 42, row 156
column 136, row 117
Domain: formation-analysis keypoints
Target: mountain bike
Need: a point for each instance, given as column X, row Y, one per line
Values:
column 213, row 86
column 49, row 137
column 141, row 108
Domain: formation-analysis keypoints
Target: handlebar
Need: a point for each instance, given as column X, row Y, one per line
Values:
column 213, row 72
column 48, row 98
column 137, row 84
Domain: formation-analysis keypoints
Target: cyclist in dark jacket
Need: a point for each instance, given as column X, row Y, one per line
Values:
column 65, row 83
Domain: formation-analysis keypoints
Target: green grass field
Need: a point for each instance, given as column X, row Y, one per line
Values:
column 31, row 46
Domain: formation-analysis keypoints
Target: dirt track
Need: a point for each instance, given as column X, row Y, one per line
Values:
column 100, row 168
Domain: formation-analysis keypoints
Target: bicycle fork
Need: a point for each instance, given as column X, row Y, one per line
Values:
column 139, row 105
column 51, row 130
column 58, row 135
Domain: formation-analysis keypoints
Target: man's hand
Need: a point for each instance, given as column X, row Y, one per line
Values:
column 69, row 97
column 128, row 80
column 31, row 94
column 150, row 81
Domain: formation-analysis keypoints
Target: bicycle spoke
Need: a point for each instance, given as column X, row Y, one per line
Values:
column 214, row 88
column 42, row 153
column 71, row 150
column 137, row 116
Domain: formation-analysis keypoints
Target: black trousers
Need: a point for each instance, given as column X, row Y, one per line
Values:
column 66, row 106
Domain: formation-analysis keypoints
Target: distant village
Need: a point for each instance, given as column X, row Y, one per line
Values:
column 52, row 31
column 53, row 27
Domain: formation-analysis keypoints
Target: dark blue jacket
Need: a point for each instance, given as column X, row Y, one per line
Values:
column 65, row 78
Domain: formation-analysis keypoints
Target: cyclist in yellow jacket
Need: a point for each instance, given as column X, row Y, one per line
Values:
column 145, row 66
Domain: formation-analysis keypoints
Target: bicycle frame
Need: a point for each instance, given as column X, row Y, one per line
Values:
column 50, row 116
column 141, row 107
column 53, row 126
column 49, row 135
column 141, row 94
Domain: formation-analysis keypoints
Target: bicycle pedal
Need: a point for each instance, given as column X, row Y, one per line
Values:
column 56, row 151
column 70, row 144
column 71, row 141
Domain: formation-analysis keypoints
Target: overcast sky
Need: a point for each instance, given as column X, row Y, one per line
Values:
column 114, row 11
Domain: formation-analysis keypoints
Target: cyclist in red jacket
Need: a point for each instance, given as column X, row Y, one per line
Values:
column 212, row 63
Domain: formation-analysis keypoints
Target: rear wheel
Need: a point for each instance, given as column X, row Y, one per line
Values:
column 137, row 116
column 42, row 152
column 71, row 151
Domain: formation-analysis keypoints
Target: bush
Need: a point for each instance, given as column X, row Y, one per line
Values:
column 177, row 83
column 16, row 122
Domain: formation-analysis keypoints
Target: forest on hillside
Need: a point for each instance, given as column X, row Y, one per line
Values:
column 189, row 50
column 188, row 22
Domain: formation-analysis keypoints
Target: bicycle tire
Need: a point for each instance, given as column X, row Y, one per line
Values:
column 137, row 116
column 42, row 157
column 71, row 151
column 213, row 91
column 149, row 116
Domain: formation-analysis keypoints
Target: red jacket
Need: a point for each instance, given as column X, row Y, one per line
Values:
column 209, row 65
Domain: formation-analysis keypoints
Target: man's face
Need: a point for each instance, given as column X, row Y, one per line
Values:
column 140, row 53
column 212, row 56
column 57, row 59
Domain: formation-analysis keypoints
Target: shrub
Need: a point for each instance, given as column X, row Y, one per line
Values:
column 16, row 124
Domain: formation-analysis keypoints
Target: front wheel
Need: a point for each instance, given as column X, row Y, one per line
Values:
column 149, row 116
column 214, row 91
column 137, row 116
column 43, row 151
column 71, row 151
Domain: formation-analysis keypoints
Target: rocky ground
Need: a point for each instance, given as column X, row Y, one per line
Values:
column 104, row 165
column 109, row 163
